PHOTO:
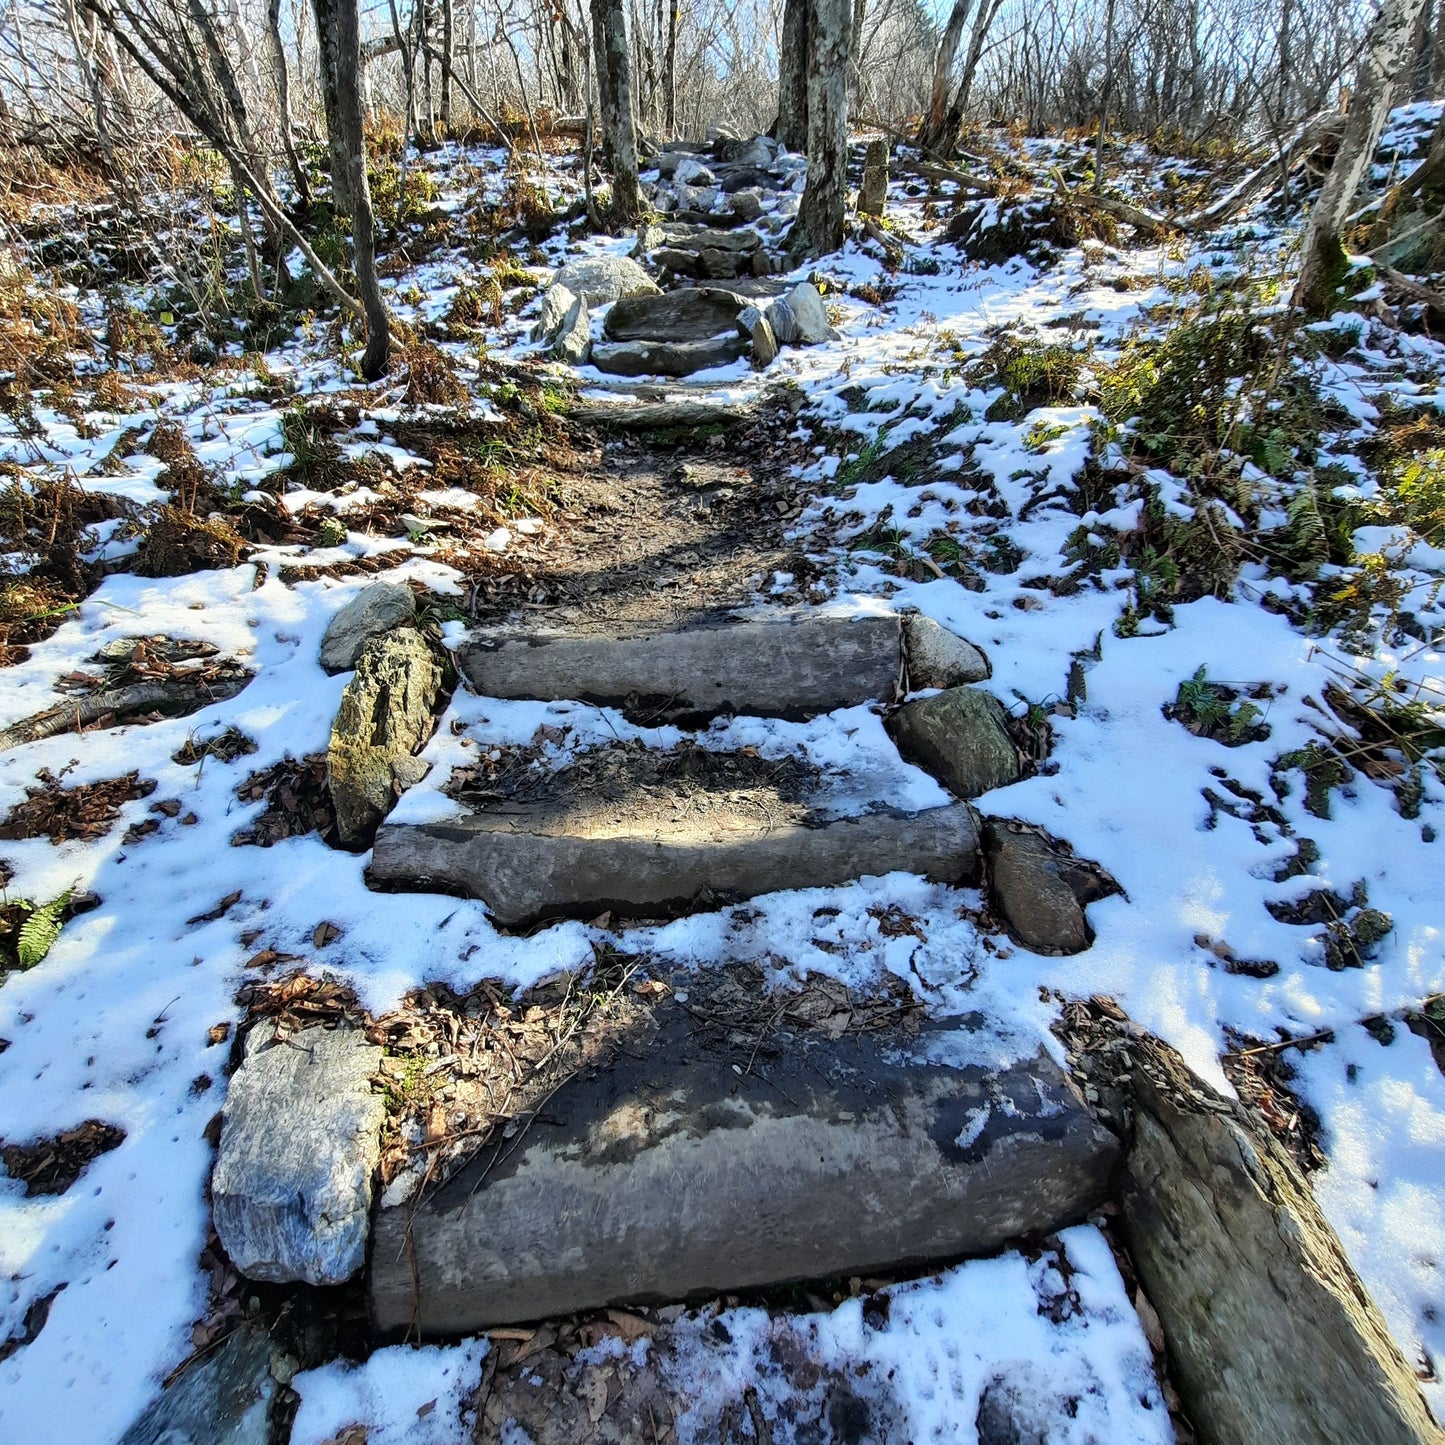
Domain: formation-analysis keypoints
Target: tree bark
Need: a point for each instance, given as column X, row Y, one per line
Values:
column 283, row 97
column 669, row 75
column 449, row 50
column 932, row 130
column 791, row 127
column 855, row 55
column 339, row 31
column 614, row 90
column 1323, row 263
column 819, row 226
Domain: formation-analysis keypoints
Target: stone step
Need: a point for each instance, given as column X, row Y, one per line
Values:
column 644, row 833
column 794, row 667
column 708, row 1156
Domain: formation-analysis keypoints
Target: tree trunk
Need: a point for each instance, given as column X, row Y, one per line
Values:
column 614, row 91
column 283, row 97
column 933, row 131
column 791, row 127
column 449, row 50
column 339, row 32
column 331, row 109
column 855, row 55
column 1323, row 263
column 819, row 226
column 669, row 74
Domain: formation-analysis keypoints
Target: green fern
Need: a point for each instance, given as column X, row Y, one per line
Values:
column 1307, row 539
column 38, row 933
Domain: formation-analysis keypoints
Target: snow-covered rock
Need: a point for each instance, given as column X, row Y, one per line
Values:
column 600, row 280
column 300, row 1140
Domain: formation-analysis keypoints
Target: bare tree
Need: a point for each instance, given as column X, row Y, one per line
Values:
column 791, row 127
column 614, row 90
column 1322, row 254
column 819, row 226
column 338, row 29
column 932, row 129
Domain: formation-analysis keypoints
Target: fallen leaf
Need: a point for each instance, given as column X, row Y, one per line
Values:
column 228, row 902
column 324, row 934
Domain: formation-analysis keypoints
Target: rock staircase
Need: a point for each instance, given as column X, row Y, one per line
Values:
column 640, row 833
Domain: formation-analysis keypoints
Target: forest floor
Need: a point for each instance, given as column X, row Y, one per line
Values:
column 1203, row 549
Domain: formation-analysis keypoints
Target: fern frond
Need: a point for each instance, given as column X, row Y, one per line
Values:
column 38, row 933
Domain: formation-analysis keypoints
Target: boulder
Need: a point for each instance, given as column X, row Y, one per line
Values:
column 765, row 344
column 666, row 358
column 690, row 171
column 722, row 265
column 959, row 736
column 795, row 667
column 938, row 657
column 385, row 715
column 800, row 318
column 557, row 302
column 693, row 1162
column 758, row 150
column 1029, row 882
column 874, row 193
column 223, row 1398
column 300, row 1141
column 747, row 204
column 691, row 313
column 574, row 339
column 600, row 280
column 1271, row 1334
column 376, row 609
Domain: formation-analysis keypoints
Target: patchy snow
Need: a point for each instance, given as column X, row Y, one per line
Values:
column 114, row 1023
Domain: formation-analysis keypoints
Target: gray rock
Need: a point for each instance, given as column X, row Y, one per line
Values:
column 691, row 313
column 793, row 667
column 603, row 279
column 747, row 318
column 665, row 358
column 557, row 301
column 679, row 262
column 222, row 1399
column 1020, row 1406
column 756, row 152
column 690, row 171
column 1271, row 1334
column 649, row 238
column 300, row 1141
column 574, row 339
column 722, row 265
column 765, row 344
column 874, row 193
column 804, row 321
column 938, row 657
column 1030, row 886
column 958, row 736
column 376, row 609
column 385, row 715
column 529, row 864
column 747, row 203
column 768, row 263
column 684, row 1167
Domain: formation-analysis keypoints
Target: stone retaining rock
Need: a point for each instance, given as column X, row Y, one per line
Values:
column 224, row 1398
column 694, row 313
column 938, row 657
column 691, row 1166
column 666, row 358
column 603, row 279
column 527, row 865
column 557, row 303
column 386, row 714
column 874, row 193
column 376, row 609
column 958, row 736
column 1271, row 1335
column 573, row 342
column 300, row 1140
column 800, row 318
column 794, row 667
column 1030, row 886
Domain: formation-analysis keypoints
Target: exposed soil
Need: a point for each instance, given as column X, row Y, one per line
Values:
column 60, row 814
column 629, row 788
column 51, row 1166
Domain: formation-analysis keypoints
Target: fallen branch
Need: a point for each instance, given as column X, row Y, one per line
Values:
column 1412, row 290
column 932, row 171
column 81, row 713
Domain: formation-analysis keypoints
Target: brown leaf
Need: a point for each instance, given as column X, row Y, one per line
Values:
column 324, row 934
column 630, row 1326
column 228, row 902
column 218, row 1033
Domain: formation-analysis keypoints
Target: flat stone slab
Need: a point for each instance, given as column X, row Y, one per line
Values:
column 667, row 358
column 700, row 1162
column 693, row 314
column 647, row 834
column 300, row 1141
column 793, row 667
column 223, row 1398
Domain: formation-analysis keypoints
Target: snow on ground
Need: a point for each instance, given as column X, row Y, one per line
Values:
column 115, row 1023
